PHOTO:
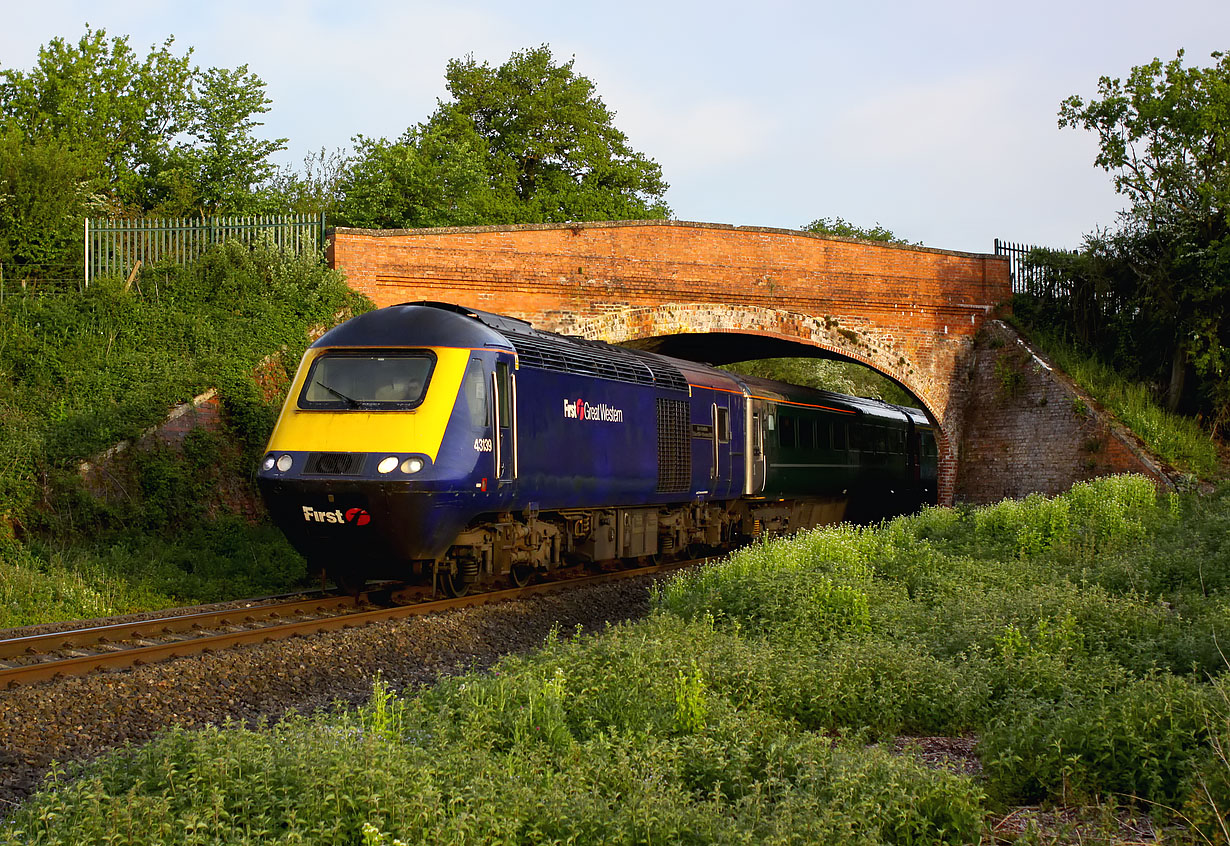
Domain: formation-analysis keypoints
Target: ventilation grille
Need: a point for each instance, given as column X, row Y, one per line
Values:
column 586, row 358
column 674, row 447
column 335, row 463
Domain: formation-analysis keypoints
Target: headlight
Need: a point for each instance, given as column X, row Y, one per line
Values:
column 284, row 462
column 412, row 465
column 386, row 465
column 268, row 463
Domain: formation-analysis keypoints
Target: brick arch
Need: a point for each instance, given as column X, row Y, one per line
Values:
column 872, row 349
column 869, row 347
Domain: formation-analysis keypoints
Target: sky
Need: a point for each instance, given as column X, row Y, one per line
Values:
column 937, row 120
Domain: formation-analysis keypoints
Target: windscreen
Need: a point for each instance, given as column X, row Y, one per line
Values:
column 368, row 381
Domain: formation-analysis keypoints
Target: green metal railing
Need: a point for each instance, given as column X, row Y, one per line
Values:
column 114, row 247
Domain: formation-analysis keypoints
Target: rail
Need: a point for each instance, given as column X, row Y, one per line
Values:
column 28, row 659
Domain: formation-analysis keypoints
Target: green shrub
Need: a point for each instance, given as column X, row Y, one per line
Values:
column 743, row 710
column 80, row 373
column 37, row 590
column 814, row 584
column 1207, row 807
column 1139, row 739
column 87, row 371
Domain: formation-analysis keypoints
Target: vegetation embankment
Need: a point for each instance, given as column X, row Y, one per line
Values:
column 79, row 374
column 1076, row 638
column 1178, row 440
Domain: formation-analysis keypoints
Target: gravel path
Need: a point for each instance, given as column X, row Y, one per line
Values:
column 77, row 719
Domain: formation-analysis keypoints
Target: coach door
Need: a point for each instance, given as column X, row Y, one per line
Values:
column 504, row 395
column 721, row 448
column 754, row 448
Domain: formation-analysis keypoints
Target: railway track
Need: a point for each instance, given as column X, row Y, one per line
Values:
column 35, row 658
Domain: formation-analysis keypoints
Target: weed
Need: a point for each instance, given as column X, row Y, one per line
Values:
column 690, row 709
column 1010, row 378
column 84, row 372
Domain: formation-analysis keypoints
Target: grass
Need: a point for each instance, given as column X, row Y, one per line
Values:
column 214, row 561
column 1075, row 637
column 34, row 590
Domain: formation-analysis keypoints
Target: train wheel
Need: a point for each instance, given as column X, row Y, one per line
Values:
column 454, row 585
column 520, row 574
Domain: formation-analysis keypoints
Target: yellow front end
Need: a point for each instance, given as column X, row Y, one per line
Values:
column 420, row 430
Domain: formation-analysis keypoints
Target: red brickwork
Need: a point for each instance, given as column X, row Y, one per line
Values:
column 1029, row 428
column 910, row 312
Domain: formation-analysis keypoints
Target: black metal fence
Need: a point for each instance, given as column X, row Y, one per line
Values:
column 1028, row 278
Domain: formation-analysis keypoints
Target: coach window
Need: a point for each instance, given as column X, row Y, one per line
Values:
column 723, row 424
column 807, row 433
column 786, row 431
column 840, row 441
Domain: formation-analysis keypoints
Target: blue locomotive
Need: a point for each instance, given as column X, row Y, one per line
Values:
column 437, row 443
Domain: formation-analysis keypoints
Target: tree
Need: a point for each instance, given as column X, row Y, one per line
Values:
column 527, row 142
column 316, row 188
column 434, row 175
column 102, row 101
column 221, row 168
column 1164, row 135
column 842, row 377
column 163, row 134
column 845, row 229
column 45, row 190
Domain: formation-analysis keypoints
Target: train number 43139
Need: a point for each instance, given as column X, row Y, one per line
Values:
column 482, row 444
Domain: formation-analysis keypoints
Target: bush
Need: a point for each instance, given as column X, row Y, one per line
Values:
column 1141, row 740
column 746, row 708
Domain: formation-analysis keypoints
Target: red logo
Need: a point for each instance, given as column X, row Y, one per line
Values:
column 580, row 409
column 358, row 516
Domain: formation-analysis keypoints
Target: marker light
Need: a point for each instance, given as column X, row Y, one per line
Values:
column 412, row 465
column 284, row 462
column 268, row 463
column 386, row 465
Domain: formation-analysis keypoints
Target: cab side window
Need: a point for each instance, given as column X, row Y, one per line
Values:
column 474, row 387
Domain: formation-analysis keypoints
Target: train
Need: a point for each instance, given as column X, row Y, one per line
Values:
column 432, row 443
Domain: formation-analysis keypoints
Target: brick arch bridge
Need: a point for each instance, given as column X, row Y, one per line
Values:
column 710, row 292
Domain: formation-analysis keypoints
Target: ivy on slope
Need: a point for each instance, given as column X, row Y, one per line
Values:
column 80, row 373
